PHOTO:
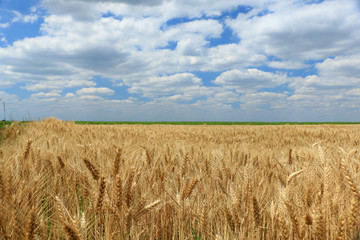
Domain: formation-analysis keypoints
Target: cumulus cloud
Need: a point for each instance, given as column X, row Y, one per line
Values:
column 120, row 49
column 167, row 9
column 156, row 49
column 6, row 84
column 52, row 94
column 250, row 79
column 334, row 88
column 4, row 25
column 345, row 66
column 95, row 91
column 263, row 100
column 90, row 97
column 175, row 98
column 297, row 97
column 334, row 75
column 58, row 85
column 8, row 98
column 227, row 56
column 205, row 28
column 287, row 65
column 166, row 85
column 223, row 98
column 354, row 92
column 70, row 95
column 8, row 17
column 286, row 32
column 24, row 18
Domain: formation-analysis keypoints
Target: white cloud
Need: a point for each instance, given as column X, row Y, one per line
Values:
column 6, row 84
column 40, row 87
column 80, row 50
column 3, row 39
column 95, row 91
column 166, row 9
column 345, row 66
column 80, row 10
column 301, row 32
column 223, row 97
column 354, row 92
column 336, row 87
column 263, row 100
column 130, row 48
column 250, row 79
column 206, row 28
column 175, row 98
column 24, row 18
column 8, row 98
column 58, row 85
column 287, row 65
column 52, row 94
column 70, row 95
column 335, row 75
column 229, row 56
column 79, row 83
column 4, row 25
column 166, row 85
column 91, row 97
column 296, row 97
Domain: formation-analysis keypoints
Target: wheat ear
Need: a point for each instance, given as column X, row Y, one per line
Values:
column 27, row 149
column 229, row 219
column 101, row 194
column 94, row 172
column 294, row 221
column 71, row 232
column 189, row 189
column 292, row 176
column 284, row 228
column 290, row 160
column 320, row 225
column 118, row 192
column 116, row 163
column 61, row 162
column 127, row 188
column 341, row 230
column 256, row 211
column 184, row 165
column 31, row 226
column 350, row 180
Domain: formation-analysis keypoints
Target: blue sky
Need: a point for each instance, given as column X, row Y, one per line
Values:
column 172, row 60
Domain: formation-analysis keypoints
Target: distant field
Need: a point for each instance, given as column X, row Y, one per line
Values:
column 211, row 123
column 4, row 123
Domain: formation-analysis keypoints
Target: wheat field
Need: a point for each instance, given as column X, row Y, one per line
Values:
column 59, row 180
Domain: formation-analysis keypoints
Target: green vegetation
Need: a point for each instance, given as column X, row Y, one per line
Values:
column 2, row 126
column 11, row 130
column 4, row 123
column 212, row 123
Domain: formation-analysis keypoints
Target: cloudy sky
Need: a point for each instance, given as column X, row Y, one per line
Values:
column 204, row 60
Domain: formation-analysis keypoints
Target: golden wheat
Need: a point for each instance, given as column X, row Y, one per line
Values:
column 59, row 180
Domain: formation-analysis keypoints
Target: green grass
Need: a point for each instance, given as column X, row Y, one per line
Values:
column 212, row 123
column 4, row 123
column 2, row 126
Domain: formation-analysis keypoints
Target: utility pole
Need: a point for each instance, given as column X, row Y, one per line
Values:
column 4, row 111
